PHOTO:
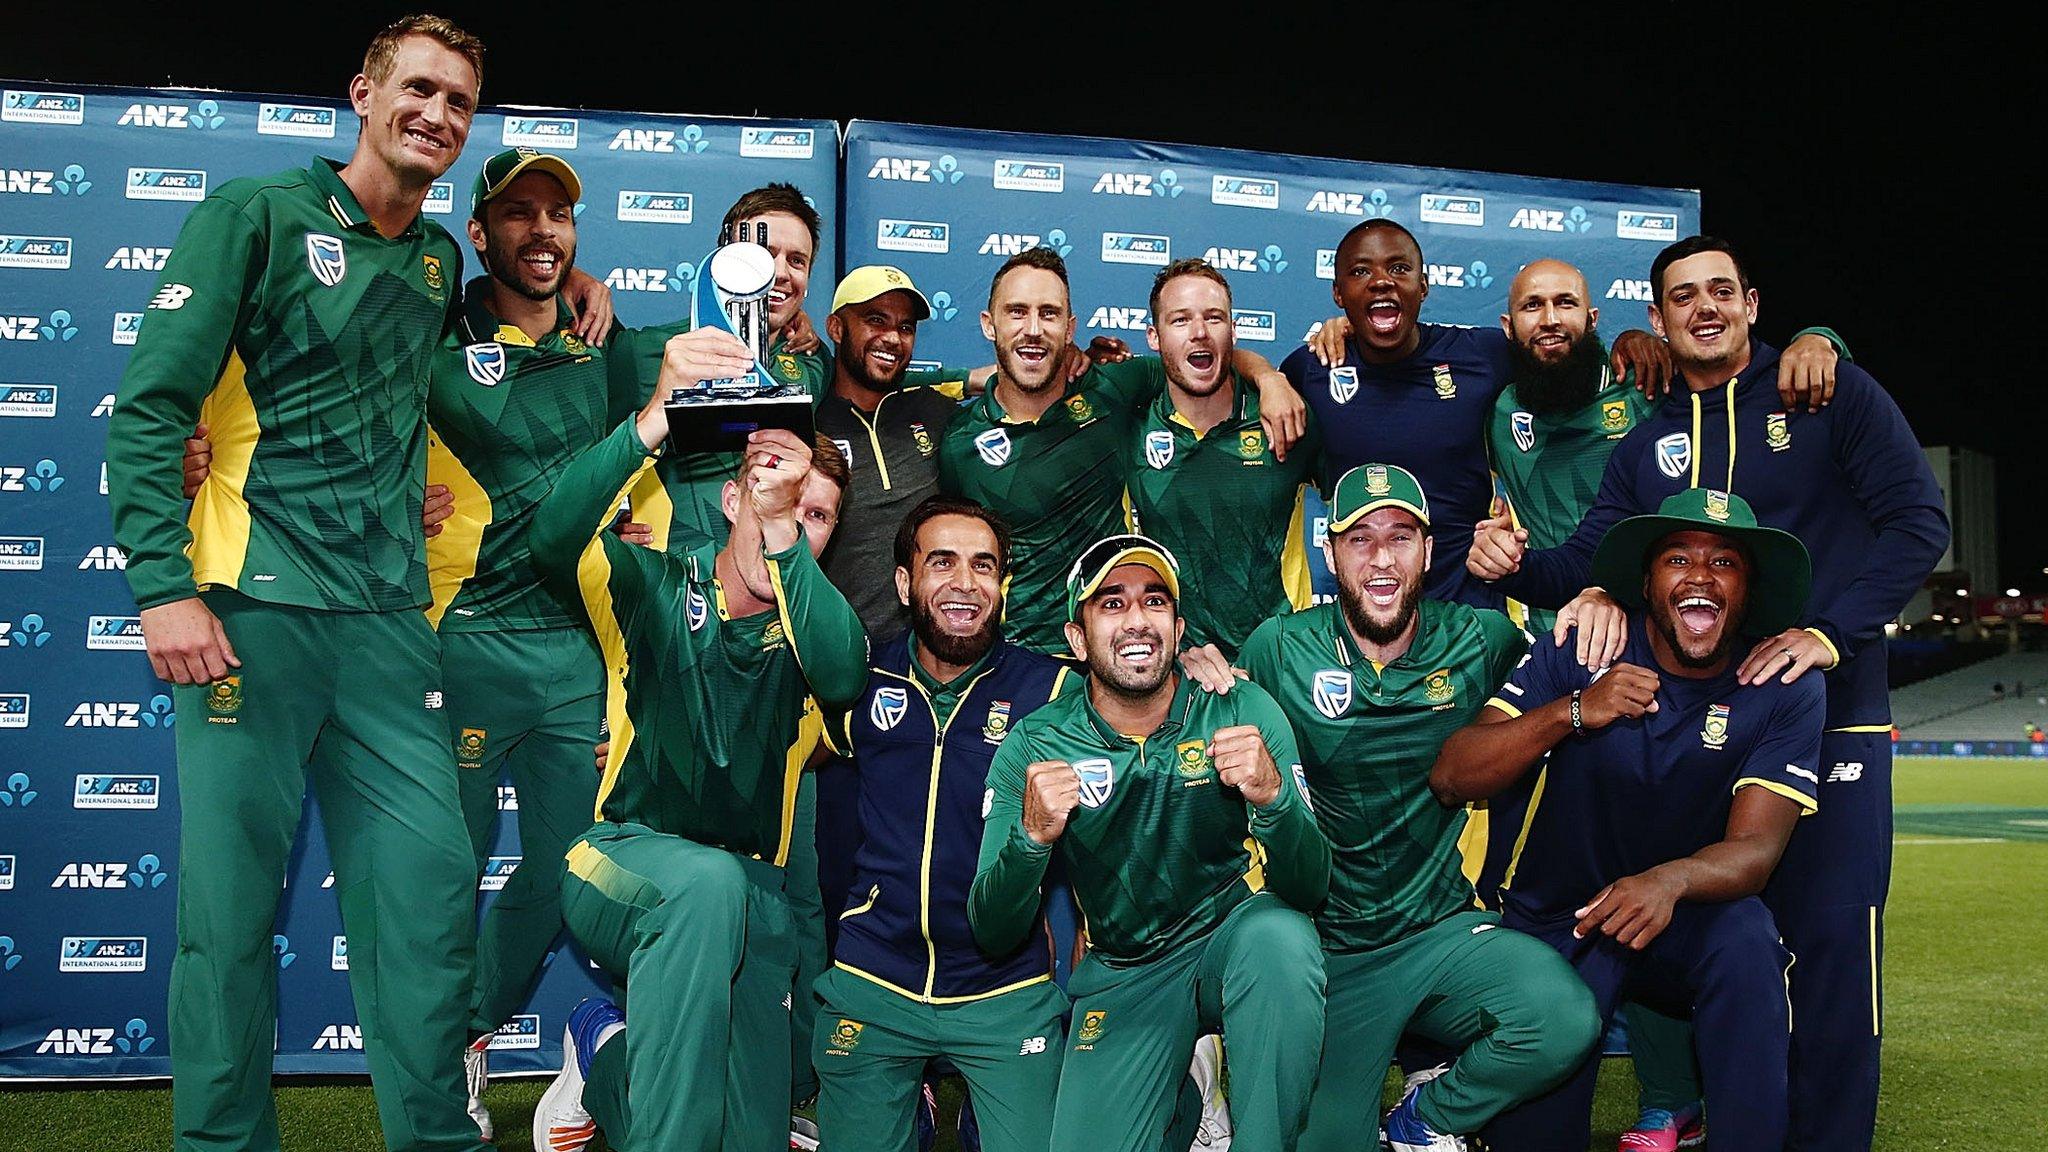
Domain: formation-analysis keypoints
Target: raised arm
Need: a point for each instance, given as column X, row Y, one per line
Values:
column 1023, row 812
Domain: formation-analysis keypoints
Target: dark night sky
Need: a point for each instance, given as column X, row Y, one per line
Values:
column 1864, row 163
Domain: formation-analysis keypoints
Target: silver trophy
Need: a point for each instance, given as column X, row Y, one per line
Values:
column 731, row 294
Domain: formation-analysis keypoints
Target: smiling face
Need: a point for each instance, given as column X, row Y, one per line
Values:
column 1704, row 312
column 873, row 341
column 1379, row 562
column 1191, row 330
column 1380, row 286
column 1548, row 313
column 789, row 241
column 1030, row 323
column 1129, row 631
column 954, row 588
column 416, row 119
column 1697, row 592
column 528, row 235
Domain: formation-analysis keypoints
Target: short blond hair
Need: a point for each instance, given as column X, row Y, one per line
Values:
column 383, row 47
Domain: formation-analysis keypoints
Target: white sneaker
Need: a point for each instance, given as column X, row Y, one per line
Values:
column 476, row 1075
column 560, row 1122
column 1214, row 1132
column 803, row 1134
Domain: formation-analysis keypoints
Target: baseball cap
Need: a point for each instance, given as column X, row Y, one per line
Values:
column 1110, row 553
column 506, row 166
column 871, row 280
column 1371, row 486
column 1778, row 588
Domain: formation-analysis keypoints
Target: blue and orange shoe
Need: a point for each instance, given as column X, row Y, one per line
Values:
column 1661, row 1130
column 560, row 1122
column 1404, row 1131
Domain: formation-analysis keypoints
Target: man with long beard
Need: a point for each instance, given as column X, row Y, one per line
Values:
column 1373, row 684
column 1669, row 792
column 908, row 983
column 1179, row 816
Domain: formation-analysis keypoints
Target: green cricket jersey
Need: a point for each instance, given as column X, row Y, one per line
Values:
column 1550, row 466
column 1160, row 850
column 304, row 339
column 507, row 415
column 1229, row 510
column 1058, row 480
column 719, row 713
column 1369, row 737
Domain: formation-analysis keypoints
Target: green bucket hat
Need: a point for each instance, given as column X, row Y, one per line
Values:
column 506, row 166
column 1777, row 588
column 1371, row 486
column 1110, row 553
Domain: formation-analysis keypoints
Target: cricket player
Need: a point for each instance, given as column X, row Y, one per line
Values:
column 1047, row 453
column 683, row 890
column 1373, row 684
column 1851, row 482
column 1180, row 818
column 908, row 983
column 1666, row 792
column 287, row 606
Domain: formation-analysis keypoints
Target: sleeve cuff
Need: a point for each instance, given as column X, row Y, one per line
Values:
column 1022, row 841
column 1832, row 650
column 1807, row 804
column 1829, row 335
column 1511, row 711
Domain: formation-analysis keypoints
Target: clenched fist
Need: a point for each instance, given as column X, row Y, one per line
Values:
column 1242, row 762
column 1052, row 790
column 1627, row 691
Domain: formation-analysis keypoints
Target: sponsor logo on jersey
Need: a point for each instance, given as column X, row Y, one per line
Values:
column 1244, row 191
column 997, row 725
column 1330, row 691
column 1523, row 427
column 295, row 120
column 48, row 252
column 889, row 707
column 1032, row 1046
column 28, row 400
column 1252, row 324
column 1674, row 454
column 1136, row 248
column 1091, row 1027
column 1636, row 224
column 1343, row 383
column 1159, row 448
column 1776, row 434
column 1614, row 416
column 657, row 207
column 224, row 700
column 1098, row 781
column 1845, row 772
column 114, row 633
column 20, row 106
column 551, row 132
column 186, row 185
column 485, row 362
column 845, row 1038
column 1191, row 758
column 104, row 954
column 1446, row 388
column 913, row 236
column 326, row 258
column 994, row 447
column 1030, row 176
column 1447, row 208
column 785, row 143
column 1715, row 733
column 115, row 792
column 1301, row 786
column 696, row 609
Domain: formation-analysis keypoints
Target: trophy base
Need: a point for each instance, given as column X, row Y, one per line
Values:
column 713, row 424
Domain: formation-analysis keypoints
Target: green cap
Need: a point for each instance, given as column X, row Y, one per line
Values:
column 1110, row 553
column 1371, row 486
column 1777, row 588
column 505, row 167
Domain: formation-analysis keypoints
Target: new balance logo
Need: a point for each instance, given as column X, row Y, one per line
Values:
column 1846, row 772
column 1032, row 1047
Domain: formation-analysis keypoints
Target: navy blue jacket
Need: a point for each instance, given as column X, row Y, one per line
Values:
column 1850, row 481
column 922, row 791
column 1428, row 414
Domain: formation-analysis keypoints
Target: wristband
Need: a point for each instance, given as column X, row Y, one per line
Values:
column 1578, row 722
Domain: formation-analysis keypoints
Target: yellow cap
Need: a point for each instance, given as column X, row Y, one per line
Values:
column 871, row 280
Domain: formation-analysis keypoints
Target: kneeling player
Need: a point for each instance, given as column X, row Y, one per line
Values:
column 1374, row 685
column 679, row 891
column 1180, row 819
column 1670, row 792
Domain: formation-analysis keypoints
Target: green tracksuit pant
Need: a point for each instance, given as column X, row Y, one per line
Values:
column 351, row 701
column 1258, row 976
column 1667, row 1069
column 871, row 1046
column 1520, row 1018
column 528, row 704
column 703, row 945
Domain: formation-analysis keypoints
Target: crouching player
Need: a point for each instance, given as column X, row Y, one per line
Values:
column 1670, row 791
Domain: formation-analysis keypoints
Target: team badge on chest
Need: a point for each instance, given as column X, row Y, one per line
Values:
column 1446, row 388
column 1080, row 409
column 1776, row 434
column 923, row 438
column 1191, row 759
column 1437, row 687
column 1614, row 416
column 430, row 270
column 997, row 725
column 1715, row 732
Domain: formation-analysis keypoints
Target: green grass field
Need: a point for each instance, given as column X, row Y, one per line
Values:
column 1967, row 968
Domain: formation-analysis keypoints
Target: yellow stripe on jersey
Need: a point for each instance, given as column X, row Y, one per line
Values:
column 1294, row 573
column 651, row 506
column 220, row 514
column 1807, row 807
column 1507, row 879
column 1472, row 844
column 927, row 999
column 593, row 580
column 1511, row 711
column 1255, row 868
column 810, row 731
column 451, row 555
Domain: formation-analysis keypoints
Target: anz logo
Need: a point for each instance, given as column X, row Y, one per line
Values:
column 139, row 259
column 1121, row 319
column 1625, row 289
column 944, row 170
column 205, row 116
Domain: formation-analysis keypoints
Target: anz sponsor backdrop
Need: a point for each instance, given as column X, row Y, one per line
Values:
column 93, row 186
column 950, row 205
